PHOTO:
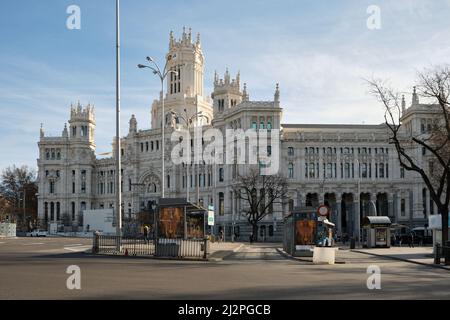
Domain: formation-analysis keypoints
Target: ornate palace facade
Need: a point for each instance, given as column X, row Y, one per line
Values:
column 352, row 168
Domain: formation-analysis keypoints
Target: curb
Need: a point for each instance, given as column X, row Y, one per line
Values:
column 286, row 255
column 405, row 260
column 229, row 252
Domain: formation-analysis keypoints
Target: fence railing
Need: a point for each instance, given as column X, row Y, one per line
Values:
column 161, row 247
column 442, row 252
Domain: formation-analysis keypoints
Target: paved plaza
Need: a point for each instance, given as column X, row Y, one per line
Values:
column 33, row 268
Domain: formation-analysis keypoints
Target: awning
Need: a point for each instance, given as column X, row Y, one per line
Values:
column 376, row 221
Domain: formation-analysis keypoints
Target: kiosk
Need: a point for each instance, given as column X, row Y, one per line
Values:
column 376, row 232
column 300, row 232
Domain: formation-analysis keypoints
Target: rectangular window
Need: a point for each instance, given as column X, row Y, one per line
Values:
column 221, row 204
column 402, row 207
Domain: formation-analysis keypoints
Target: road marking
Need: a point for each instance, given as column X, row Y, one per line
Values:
column 74, row 245
column 77, row 249
column 2, row 242
column 33, row 244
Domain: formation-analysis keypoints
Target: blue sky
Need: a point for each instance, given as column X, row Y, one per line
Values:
column 319, row 52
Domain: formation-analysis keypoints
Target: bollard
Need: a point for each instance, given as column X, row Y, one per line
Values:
column 352, row 243
column 205, row 248
column 446, row 253
column 437, row 254
column 95, row 247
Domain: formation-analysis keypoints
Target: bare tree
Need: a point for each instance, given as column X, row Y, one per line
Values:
column 434, row 86
column 5, row 209
column 15, row 182
column 259, row 193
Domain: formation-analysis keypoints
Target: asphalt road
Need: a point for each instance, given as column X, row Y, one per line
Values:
column 35, row 268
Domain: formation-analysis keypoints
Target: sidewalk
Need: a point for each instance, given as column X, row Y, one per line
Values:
column 219, row 250
column 417, row 255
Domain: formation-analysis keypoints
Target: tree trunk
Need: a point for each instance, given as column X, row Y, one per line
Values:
column 255, row 231
column 444, row 216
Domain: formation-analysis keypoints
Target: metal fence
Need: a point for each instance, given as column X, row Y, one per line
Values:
column 173, row 248
column 442, row 252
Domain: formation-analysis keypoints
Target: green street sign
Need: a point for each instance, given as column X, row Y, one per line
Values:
column 210, row 218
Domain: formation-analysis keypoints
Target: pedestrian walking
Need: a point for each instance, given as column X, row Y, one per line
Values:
column 411, row 240
column 146, row 234
column 251, row 238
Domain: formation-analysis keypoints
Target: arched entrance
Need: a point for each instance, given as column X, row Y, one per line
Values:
column 347, row 211
column 382, row 204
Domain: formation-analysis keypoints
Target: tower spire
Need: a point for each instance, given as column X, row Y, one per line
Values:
column 244, row 93
column 415, row 97
column 277, row 93
column 198, row 42
column 403, row 104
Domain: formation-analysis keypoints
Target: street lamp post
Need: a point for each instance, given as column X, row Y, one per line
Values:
column 162, row 76
column 188, row 121
column 118, row 206
column 23, row 202
column 358, row 216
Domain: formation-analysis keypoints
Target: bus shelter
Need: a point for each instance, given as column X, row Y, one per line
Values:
column 179, row 219
column 376, row 232
column 300, row 232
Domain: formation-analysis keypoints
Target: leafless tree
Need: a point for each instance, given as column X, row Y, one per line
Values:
column 14, row 182
column 434, row 86
column 259, row 193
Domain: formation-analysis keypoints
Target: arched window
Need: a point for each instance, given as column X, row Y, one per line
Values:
column 46, row 211
column 52, row 211
column 269, row 125
column 312, row 170
column 73, row 211
column 151, row 188
column 291, row 170
column 221, row 176
column 291, row 205
column 381, row 170
column 82, row 206
column 270, row 231
column 221, row 204
column 58, row 211
column 347, row 170
column 261, row 125
column 329, row 170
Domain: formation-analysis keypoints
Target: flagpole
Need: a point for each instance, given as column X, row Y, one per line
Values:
column 118, row 205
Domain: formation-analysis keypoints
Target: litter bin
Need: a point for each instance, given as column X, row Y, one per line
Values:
column 437, row 254
column 446, row 253
column 353, row 243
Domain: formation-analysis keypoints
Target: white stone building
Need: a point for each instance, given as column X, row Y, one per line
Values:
column 352, row 168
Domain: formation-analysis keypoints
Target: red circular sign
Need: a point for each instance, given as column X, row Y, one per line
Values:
column 323, row 210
